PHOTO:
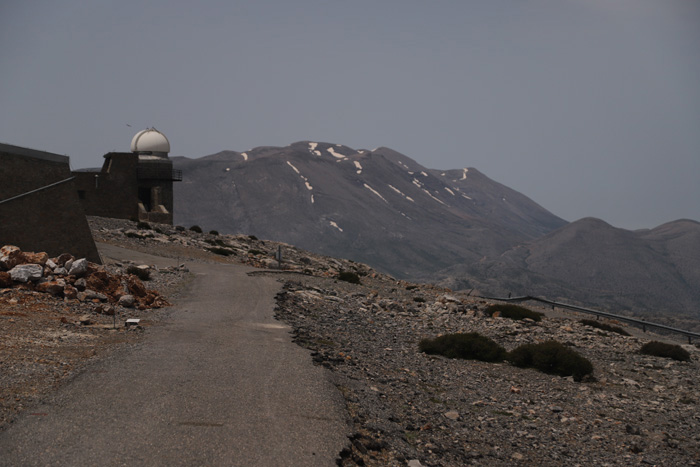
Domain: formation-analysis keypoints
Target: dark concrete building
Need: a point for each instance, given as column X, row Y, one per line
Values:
column 39, row 206
column 135, row 185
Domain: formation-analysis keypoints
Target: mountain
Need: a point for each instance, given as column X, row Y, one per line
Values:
column 648, row 272
column 379, row 207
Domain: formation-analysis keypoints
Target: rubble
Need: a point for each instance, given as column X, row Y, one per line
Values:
column 70, row 278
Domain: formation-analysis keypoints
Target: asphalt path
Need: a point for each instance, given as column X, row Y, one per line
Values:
column 218, row 383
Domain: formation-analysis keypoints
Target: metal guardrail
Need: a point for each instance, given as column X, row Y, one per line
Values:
column 35, row 191
column 638, row 322
column 158, row 173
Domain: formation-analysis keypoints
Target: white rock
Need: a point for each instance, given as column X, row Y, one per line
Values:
column 26, row 272
column 78, row 268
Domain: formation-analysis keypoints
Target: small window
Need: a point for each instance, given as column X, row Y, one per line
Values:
column 81, row 194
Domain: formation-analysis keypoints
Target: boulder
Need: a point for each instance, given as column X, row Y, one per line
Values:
column 53, row 287
column 36, row 258
column 93, row 295
column 61, row 260
column 78, row 268
column 70, row 292
column 60, row 271
column 26, row 272
column 135, row 286
column 5, row 280
column 127, row 301
column 10, row 256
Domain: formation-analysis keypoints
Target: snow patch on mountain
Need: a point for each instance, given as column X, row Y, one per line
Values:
column 293, row 168
column 376, row 193
column 359, row 167
column 464, row 174
column 313, row 150
column 450, row 191
column 333, row 224
column 335, row 154
column 401, row 193
column 429, row 194
column 245, row 156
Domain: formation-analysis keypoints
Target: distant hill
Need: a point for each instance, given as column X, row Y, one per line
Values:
column 648, row 272
column 455, row 227
column 378, row 207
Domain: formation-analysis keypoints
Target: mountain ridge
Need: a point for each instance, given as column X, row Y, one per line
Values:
column 456, row 227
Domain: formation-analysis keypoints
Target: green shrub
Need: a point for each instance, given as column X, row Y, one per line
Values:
column 514, row 312
column 349, row 276
column 179, row 228
column 471, row 346
column 255, row 252
column 411, row 287
column 143, row 226
column 143, row 274
column 661, row 349
column 214, row 232
column 196, row 228
column 252, row 237
column 604, row 326
column 551, row 357
column 222, row 251
column 419, row 299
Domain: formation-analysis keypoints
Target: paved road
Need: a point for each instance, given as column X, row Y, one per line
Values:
column 220, row 383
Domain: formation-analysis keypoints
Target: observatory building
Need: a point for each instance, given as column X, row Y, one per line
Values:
column 136, row 185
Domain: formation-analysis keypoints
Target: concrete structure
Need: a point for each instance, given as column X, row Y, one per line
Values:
column 39, row 207
column 136, row 185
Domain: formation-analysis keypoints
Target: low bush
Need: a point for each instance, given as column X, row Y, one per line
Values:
column 255, row 252
column 143, row 274
column 514, row 312
column 214, row 232
column 605, row 327
column 196, row 228
column 411, row 287
column 661, row 349
column 252, row 237
column 222, row 251
column 419, row 299
column 143, row 226
column 471, row 346
column 349, row 276
column 551, row 357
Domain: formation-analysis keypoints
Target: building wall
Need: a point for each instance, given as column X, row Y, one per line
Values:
column 112, row 192
column 124, row 181
column 51, row 219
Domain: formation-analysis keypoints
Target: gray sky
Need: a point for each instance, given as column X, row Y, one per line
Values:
column 589, row 107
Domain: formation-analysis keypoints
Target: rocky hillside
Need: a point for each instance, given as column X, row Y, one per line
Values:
column 405, row 408
column 650, row 272
column 378, row 207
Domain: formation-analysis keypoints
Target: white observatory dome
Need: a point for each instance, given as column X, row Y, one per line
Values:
column 150, row 141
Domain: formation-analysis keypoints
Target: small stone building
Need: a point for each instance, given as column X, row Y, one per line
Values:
column 136, row 185
column 39, row 207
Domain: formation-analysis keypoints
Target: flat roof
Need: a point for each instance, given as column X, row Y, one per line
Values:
column 27, row 152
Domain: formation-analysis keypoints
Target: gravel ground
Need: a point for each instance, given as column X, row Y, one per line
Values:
column 411, row 408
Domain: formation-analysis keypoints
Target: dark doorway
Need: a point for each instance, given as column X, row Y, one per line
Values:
column 145, row 197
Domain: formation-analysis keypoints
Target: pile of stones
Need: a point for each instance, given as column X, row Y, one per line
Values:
column 73, row 279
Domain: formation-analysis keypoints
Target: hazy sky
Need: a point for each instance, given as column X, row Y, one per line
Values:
column 589, row 107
